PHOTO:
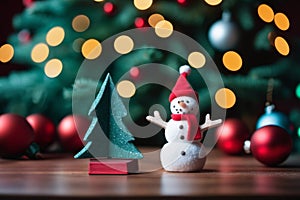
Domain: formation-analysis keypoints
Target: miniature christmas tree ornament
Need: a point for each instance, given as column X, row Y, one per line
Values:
column 108, row 142
column 183, row 151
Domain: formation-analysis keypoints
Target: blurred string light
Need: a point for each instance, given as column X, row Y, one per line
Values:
column 123, row 44
column 265, row 12
column 77, row 43
column 196, row 59
column 182, row 2
column 232, row 60
column 271, row 37
column 163, row 29
column 282, row 21
column 213, row 2
column 39, row 53
column 98, row 0
column 282, row 46
column 225, row 98
column 298, row 91
column 109, row 8
column 80, row 23
column 126, row 89
column 142, row 4
column 91, row 49
column 24, row 36
column 53, row 68
column 154, row 19
column 55, row 36
column 139, row 22
column 134, row 72
column 299, row 132
column 28, row 3
column 6, row 53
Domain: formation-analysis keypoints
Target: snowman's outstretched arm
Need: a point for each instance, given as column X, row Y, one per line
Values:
column 210, row 123
column 157, row 120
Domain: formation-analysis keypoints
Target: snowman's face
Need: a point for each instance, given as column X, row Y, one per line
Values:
column 184, row 105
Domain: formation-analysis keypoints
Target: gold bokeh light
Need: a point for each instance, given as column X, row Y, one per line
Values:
column 225, row 98
column 39, row 53
column 142, row 4
column 196, row 59
column 232, row 60
column 164, row 29
column 213, row 2
column 265, row 12
column 91, row 49
column 53, row 68
column 55, row 36
column 123, row 44
column 126, row 89
column 154, row 19
column 282, row 46
column 80, row 23
column 282, row 21
column 6, row 53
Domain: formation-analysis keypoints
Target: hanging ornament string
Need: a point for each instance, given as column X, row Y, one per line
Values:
column 269, row 96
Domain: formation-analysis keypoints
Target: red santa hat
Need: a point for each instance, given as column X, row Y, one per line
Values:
column 182, row 86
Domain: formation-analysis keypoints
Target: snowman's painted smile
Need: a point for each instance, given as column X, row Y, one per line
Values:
column 184, row 105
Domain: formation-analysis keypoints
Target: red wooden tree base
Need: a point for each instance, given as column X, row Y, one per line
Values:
column 112, row 166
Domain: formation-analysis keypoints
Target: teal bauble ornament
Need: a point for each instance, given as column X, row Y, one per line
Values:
column 273, row 117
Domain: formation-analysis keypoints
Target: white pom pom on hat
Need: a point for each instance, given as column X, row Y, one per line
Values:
column 185, row 69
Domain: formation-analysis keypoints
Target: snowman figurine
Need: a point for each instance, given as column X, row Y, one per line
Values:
column 183, row 151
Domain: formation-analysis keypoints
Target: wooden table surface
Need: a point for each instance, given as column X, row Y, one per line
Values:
column 226, row 177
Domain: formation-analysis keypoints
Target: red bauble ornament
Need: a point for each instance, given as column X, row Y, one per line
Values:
column 16, row 135
column 231, row 136
column 44, row 130
column 70, row 131
column 271, row 145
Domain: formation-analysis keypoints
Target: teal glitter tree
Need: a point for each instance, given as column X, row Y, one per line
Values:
column 112, row 140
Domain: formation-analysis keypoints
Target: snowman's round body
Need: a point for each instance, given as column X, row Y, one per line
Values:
column 183, row 156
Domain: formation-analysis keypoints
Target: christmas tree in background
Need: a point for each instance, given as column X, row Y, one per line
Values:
column 251, row 42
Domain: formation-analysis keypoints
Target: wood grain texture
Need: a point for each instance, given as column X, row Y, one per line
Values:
column 226, row 177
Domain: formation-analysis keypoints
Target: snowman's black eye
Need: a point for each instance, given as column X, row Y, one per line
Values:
column 187, row 102
column 178, row 101
column 174, row 106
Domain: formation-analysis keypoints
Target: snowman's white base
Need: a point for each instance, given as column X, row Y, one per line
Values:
column 183, row 156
